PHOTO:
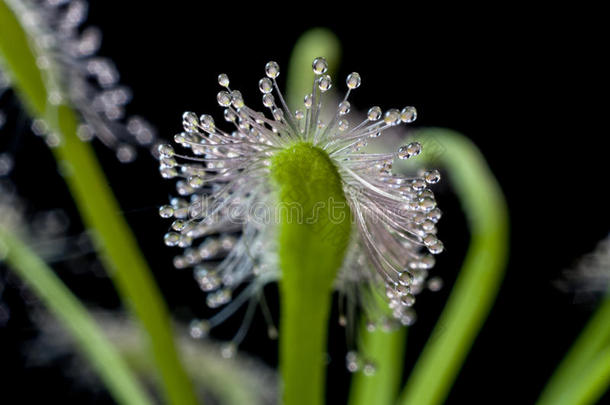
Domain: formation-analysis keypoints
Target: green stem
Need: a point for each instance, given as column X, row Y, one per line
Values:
column 314, row 229
column 589, row 385
column 99, row 209
column 594, row 339
column 310, row 254
column 111, row 368
column 482, row 271
column 386, row 349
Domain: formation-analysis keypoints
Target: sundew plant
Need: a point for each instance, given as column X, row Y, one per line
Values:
column 296, row 187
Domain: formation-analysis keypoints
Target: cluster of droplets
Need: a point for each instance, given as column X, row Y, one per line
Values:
column 74, row 74
column 227, row 173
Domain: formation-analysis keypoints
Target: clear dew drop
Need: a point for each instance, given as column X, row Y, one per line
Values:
column 353, row 81
column 223, row 80
column 178, row 225
column 435, row 284
column 228, row 350
column 436, row 248
column 278, row 114
column 126, row 153
column 401, row 290
column 196, row 181
column 299, row 115
column 223, row 98
column 199, row 328
column 272, row 332
column 168, row 172
column 165, row 150
column 405, row 278
column 6, row 164
column 344, row 107
column 325, row 83
column 218, row 298
column 426, row 204
column 308, row 101
column 392, row 117
column 432, row 176
column 229, row 115
column 352, row 361
column 434, row 215
column 265, row 85
column 319, row 65
column 408, row 114
column 374, row 113
column 268, row 100
column 410, row 150
column 343, row 125
column 166, row 211
column 369, row 368
column 190, row 121
column 430, row 239
column 408, row 317
column 272, row 70
column 407, row 300
column 237, row 99
column 171, row 239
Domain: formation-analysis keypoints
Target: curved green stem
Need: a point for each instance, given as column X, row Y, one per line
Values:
column 593, row 340
column 99, row 209
column 113, row 371
column 482, row 272
column 588, row 386
column 386, row 349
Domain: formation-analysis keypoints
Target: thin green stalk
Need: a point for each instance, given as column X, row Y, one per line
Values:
column 111, row 368
column 594, row 339
column 386, row 349
column 589, row 385
column 99, row 209
column 482, row 271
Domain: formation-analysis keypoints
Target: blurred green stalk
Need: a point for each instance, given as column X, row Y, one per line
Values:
column 100, row 211
column 93, row 344
column 386, row 349
column 584, row 374
column 482, row 271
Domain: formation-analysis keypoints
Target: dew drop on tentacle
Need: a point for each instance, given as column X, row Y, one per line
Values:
column 319, row 65
column 325, row 83
column 353, row 81
column 272, row 70
column 409, row 151
column 374, row 113
column 408, row 114
column 352, row 361
column 223, row 80
column 199, row 328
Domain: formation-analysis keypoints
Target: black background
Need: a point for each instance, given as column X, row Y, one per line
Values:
column 519, row 82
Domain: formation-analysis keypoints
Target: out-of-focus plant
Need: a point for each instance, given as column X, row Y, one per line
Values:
column 482, row 272
column 203, row 360
column 110, row 366
column 584, row 374
column 100, row 211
